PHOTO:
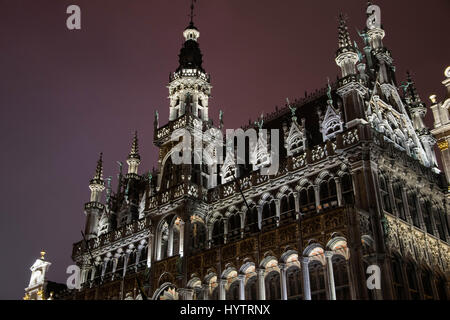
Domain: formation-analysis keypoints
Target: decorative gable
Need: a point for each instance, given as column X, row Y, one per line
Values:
column 331, row 124
column 295, row 138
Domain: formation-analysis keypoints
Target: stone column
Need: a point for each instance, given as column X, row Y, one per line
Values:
column 125, row 262
column 225, row 230
column 261, row 284
column 331, row 287
column 222, row 293
column 338, row 190
column 278, row 211
column 306, row 284
column 241, row 278
column 260, row 209
column 297, row 205
column 169, row 241
column 150, row 250
column 283, row 281
column 317, row 197
column 181, row 243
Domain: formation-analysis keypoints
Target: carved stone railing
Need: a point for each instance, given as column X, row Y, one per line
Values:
column 110, row 237
column 189, row 73
column 416, row 243
column 175, row 193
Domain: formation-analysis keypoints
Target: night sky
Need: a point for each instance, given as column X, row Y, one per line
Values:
column 66, row 96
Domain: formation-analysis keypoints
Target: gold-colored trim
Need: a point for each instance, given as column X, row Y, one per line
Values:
column 443, row 145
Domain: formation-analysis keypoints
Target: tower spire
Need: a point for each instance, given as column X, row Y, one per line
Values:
column 192, row 15
column 344, row 36
column 134, row 154
column 94, row 208
column 98, row 177
column 412, row 90
column 346, row 55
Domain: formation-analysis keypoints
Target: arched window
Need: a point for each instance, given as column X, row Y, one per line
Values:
column 251, row 220
column 307, row 199
column 340, row 274
column 385, row 194
column 397, row 277
column 273, row 291
column 198, row 236
column 287, row 208
column 317, row 281
column 268, row 215
column 171, row 175
column 328, row 195
column 412, row 205
column 144, row 252
column 218, row 232
column 234, row 227
column 294, row 283
column 347, row 189
column 251, row 292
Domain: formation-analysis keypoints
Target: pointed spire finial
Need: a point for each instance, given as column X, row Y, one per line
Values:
column 192, row 15
column 413, row 95
column 344, row 35
column 98, row 177
column 134, row 154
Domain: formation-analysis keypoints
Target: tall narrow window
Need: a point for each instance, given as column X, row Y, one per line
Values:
column 412, row 205
column 399, row 200
column 385, row 195
column 347, row 189
column 426, row 214
column 438, row 220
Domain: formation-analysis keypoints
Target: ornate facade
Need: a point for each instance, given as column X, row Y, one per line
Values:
column 358, row 185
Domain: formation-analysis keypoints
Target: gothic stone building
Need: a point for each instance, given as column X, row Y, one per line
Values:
column 358, row 186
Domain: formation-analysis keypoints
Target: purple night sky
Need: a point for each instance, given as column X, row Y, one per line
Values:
column 67, row 95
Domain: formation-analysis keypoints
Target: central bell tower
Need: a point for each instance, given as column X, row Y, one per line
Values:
column 189, row 93
column 189, row 86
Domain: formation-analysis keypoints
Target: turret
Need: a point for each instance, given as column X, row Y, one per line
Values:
column 37, row 287
column 350, row 87
column 346, row 55
column 134, row 159
column 189, row 87
column 417, row 108
column 94, row 208
column 375, row 35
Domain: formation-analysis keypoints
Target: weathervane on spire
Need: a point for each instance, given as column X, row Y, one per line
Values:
column 192, row 11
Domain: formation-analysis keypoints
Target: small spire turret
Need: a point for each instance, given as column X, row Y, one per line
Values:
column 97, row 185
column 134, row 158
column 345, row 42
column 346, row 55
